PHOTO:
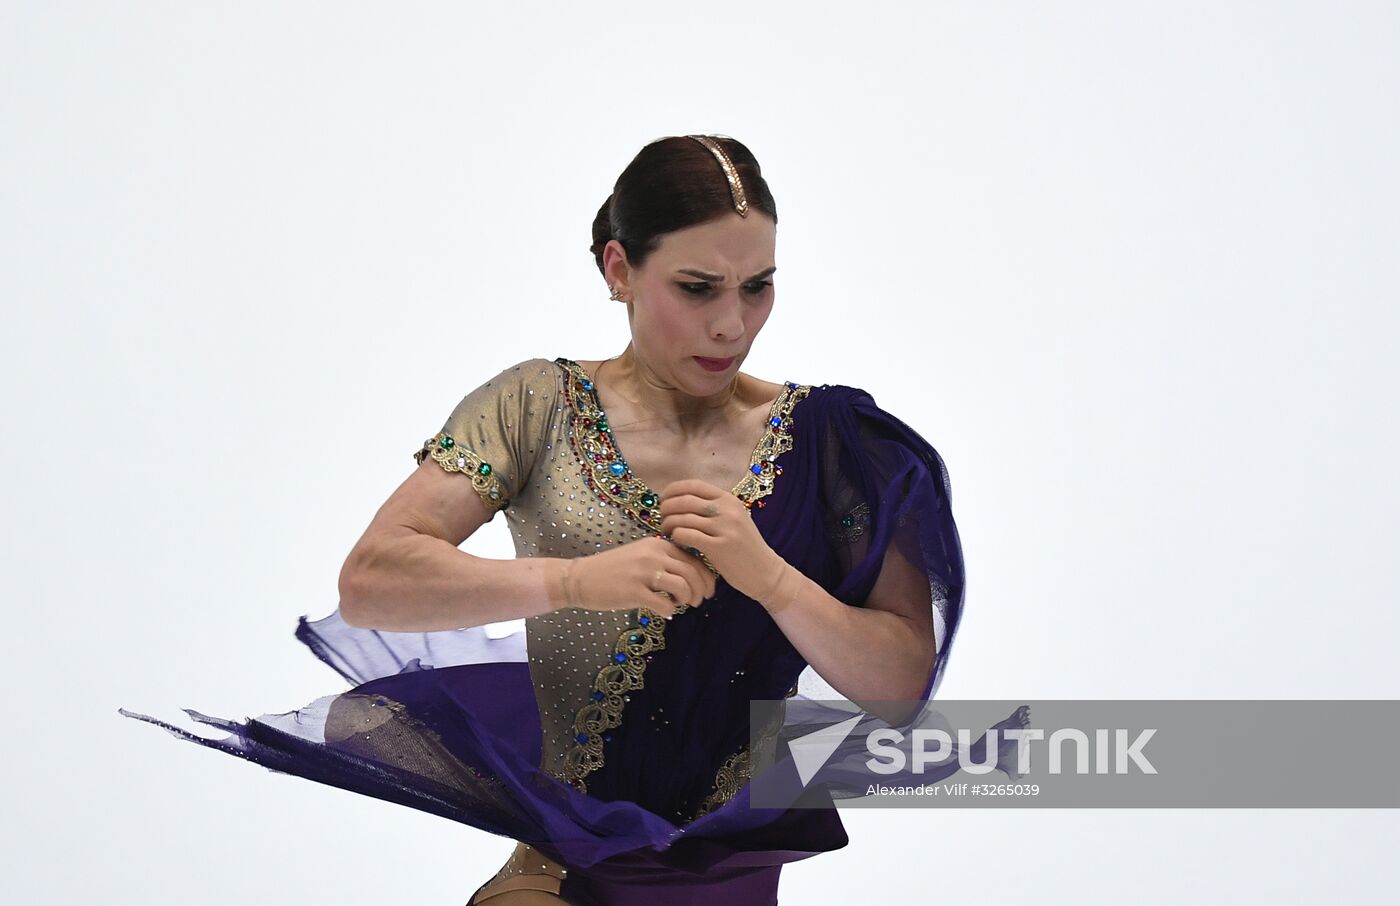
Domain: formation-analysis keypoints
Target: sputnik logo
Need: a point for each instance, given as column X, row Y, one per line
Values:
column 810, row 752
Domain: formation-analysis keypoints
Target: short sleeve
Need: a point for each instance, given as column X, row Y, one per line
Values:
column 495, row 434
column 883, row 486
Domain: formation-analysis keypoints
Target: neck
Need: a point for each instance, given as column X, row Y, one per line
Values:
column 643, row 389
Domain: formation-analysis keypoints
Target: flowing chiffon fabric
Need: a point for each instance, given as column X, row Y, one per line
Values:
column 451, row 723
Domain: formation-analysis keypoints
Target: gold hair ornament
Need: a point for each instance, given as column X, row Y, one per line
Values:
column 736, row 187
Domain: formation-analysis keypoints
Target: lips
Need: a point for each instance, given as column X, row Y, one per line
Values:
column 714, row 364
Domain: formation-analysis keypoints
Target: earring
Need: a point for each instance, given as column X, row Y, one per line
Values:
column 614, row 295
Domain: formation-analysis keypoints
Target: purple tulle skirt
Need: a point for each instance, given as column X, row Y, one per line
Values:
column 464, row 741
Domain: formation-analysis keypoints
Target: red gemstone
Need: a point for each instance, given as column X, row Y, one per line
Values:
column 760, row 503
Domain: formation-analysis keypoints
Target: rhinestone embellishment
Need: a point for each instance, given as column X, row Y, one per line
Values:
column 453, row 457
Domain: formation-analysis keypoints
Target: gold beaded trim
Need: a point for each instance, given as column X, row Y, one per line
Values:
column 611, row 479
column 757, row 483
column 603, row 712
column 604, row 470
column 730, row 778
column 455, row 457
column 736, row 186
column 736, row 771
column 592, row 442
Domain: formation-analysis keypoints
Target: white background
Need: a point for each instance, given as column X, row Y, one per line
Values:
column 1130, row 267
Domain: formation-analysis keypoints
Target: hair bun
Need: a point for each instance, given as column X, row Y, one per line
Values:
column 678, row 182
column 602, row 232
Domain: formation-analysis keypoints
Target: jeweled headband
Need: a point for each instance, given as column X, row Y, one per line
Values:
column 736, row 187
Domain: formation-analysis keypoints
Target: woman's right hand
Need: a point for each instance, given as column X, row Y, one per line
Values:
column 631, row 575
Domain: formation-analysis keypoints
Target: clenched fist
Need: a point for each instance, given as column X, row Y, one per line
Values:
column 632, row 575
column 697, row 514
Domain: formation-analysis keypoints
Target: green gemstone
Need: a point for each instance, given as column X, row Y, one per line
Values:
column 847, row 520
column 446, row 442
column 484, row 469
column 648, row 500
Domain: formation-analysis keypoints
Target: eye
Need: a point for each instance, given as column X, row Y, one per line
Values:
column 758, row 286
column 695, row 289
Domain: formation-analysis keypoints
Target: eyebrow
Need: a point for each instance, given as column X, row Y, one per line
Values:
column 715, row 278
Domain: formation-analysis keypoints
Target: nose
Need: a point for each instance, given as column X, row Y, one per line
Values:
column 728, row 322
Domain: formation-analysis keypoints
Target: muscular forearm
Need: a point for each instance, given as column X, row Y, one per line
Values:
column 866, row 655
column 413, row 582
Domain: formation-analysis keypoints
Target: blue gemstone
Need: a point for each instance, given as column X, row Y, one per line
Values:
column 587, row 385
column 645, row 621
column 617, row 469
column 756, row 469
column 775, row 421
column 607, row 738
column 582, row 737
column 598, row 696
column 620, row 657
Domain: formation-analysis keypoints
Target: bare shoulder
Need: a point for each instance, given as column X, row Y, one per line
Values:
column 764, row 393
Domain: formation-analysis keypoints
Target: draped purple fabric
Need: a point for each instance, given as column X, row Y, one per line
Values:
column 447, row 722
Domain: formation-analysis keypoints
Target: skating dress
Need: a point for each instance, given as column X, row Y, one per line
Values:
column 613, row 746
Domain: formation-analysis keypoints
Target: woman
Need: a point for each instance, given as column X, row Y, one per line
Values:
column 752, row 529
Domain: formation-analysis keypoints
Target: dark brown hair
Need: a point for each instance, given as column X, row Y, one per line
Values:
column 674, row 183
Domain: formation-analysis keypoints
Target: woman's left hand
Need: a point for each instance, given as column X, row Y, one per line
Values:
column 697, row 514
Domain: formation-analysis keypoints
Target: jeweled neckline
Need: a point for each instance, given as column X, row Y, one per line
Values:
column 612, row 478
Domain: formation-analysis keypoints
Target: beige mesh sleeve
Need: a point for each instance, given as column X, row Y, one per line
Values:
column 495, row 434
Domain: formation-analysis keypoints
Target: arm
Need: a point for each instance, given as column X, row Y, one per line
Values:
column 405, row 574
column 883, row 651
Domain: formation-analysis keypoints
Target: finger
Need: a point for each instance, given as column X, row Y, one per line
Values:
column 706, row 579
column 692, row 486
column 660, row 605
column 694, row 555
column 679, row 587
column 658, row 592
column 695, row 552
column 697, row 575
column 681, row 566
column 683, row 503
column 695, row 543
column 707, row 582
column 693, row 521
